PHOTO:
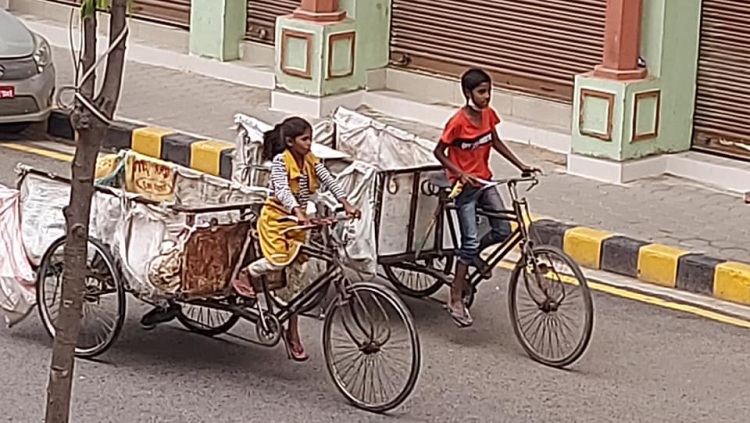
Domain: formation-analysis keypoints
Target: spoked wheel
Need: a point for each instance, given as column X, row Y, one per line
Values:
column 417, row 284
column 371, row 348
column 103, row 302
column 551, row 308
column 206, row 321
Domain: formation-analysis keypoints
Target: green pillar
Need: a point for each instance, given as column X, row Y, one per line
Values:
column 217, row 27
column 621, row 121
column 323, row 64
column 373, row 22
column 317, row 59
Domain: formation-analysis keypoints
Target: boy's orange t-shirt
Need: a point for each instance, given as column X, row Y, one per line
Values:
column 469, row 145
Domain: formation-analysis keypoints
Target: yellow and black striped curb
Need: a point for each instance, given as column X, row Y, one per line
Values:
column 652, row 263
column 206, row 155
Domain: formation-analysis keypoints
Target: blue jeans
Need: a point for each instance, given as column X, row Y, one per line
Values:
column 466, row 205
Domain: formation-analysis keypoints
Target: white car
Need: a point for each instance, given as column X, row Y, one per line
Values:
column 27, row 75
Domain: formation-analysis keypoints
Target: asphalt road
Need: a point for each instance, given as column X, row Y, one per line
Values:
column 645, row 364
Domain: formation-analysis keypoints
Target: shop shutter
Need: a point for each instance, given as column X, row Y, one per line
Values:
column 68, row 2
column 533, row 46
column 722, row 107
column 172, row 12
column 261, row 18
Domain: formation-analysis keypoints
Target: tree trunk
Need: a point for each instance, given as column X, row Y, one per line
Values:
column 109, row 96
column 90, row 132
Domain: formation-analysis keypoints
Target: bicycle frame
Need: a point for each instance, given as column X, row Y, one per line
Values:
column 520, row 235
column 312, row 293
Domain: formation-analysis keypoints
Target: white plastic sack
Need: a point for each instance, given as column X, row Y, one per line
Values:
column 17, row 293
column 381, row 145
column 139, row 239
column 107, row 211
column 42, row 219
column 359, row 181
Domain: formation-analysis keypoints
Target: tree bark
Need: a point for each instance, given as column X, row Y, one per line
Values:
column 90, row 132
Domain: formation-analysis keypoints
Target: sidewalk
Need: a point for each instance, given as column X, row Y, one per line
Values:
column 663, row 210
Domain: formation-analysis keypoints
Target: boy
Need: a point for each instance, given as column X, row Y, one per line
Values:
column 468, row 137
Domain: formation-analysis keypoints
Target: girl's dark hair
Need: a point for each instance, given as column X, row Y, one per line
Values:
column 276, row 140
column 472, row 78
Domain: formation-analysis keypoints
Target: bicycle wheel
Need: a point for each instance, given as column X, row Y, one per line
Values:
column 205, row 320
column 103, row 303
column 554, row 286
column 417, row 284
column 371, row 348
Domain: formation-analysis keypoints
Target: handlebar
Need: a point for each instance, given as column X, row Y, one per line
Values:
column 525, row 177
column 530, row 177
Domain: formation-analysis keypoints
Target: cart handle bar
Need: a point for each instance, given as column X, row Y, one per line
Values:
column 315, row 223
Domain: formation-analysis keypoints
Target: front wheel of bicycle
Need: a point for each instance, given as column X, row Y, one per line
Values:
column 550, row 306
column 371, row 347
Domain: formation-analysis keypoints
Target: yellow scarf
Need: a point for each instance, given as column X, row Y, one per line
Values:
column 277, row 248
column 295, row 172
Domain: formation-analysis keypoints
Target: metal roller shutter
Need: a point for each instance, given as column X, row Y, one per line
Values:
column 68, row 2
column 173, row 12
column 533, row 46
column 722, row 107
column 261, row 18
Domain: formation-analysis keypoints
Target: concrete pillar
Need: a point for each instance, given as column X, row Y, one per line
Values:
column 217, row 27
column 316, row 60
column 625, row 117
column 320, row 11
column 622, row 31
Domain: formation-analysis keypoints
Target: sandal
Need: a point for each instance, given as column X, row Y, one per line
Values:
column 159, row 315
column 462, row 320
column 294, row 351
column 243, row 286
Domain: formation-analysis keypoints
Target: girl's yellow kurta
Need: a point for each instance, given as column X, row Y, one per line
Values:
column 281, row 249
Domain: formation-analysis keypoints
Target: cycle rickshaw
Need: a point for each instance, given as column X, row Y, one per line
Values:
column 161, row 232
column 414, row 230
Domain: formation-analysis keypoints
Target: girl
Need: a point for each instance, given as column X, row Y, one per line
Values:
column 295, row 175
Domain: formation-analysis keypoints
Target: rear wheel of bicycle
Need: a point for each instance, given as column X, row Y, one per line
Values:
column 103, row 312
column 205, row 320
column 371, row 347
column 417, row 284
column 550, row 306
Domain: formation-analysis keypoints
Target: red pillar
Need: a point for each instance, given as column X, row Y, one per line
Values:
column 622, row 34
column 320, row 11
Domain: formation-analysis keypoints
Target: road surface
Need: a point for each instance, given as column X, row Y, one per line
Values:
column 645, row 364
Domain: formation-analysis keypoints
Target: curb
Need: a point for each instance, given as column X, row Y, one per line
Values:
column 651, row 263
column 592, row 248
column 206, row 155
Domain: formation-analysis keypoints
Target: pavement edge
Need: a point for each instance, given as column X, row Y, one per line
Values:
column 204, row 154
column 652, row 263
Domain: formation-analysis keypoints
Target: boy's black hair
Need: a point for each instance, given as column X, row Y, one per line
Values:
column 275, row 140
column 472, row 78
